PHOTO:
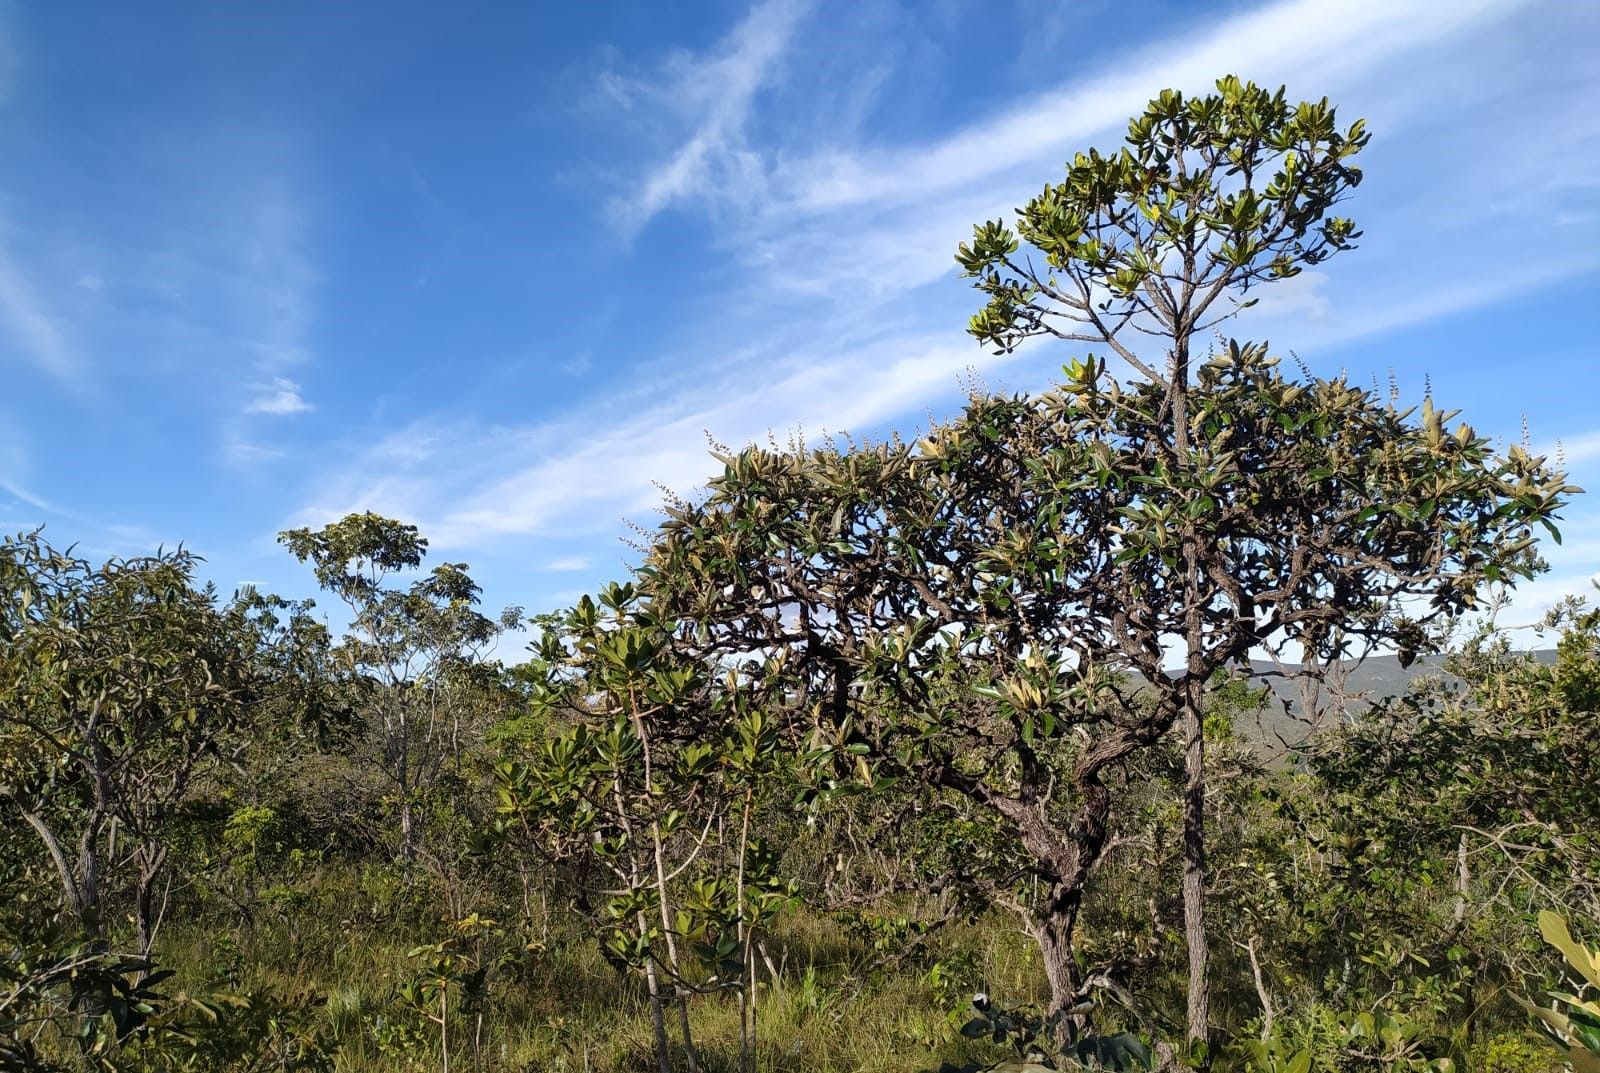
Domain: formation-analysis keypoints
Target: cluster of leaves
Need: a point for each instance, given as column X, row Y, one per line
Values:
column 968, row 616
column 121, row 685
column 1038, row 1038
column 55, row 984
column 1574, row 1020
column 413, row 656
column 1372, row 1040
column 1212, row 194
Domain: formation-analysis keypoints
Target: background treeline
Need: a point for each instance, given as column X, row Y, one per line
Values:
column 888, row 754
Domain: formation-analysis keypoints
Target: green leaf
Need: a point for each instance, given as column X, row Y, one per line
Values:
column 977, row 1028
column 1584, row 961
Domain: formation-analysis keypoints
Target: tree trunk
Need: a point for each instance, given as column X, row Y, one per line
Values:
column 1053, row 931
column 1194, row 872
column 151, row 860
column 408, row 845
column 88, row 899
column 1193, row 722
column 747, row 986
column 145, row 914
column 658, row 1018
column 691, row 1054
column 398, row 729
column 1267, row 1012
column 78, row 897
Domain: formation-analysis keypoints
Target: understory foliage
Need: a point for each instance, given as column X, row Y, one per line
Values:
column 647, row 797
column 936, row 752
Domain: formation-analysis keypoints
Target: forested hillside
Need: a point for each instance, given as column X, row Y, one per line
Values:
column 965, row 752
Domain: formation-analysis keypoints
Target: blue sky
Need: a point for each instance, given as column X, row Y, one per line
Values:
column 499, row 269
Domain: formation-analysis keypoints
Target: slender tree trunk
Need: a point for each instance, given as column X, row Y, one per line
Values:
column 1061, row 971
column 690, row 1054
column 444, row 1028
column 89, row 883
column 80, row 890
column 1194, row 873
column 1069, row 858
column 1459, row 916
column 1265, row 996
column 408, row 837
column 1192, row 720
column 145, row 914
column 658, row 1019
column 747, row 986
column 408, row 842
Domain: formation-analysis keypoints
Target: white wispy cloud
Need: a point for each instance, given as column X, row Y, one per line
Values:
column 226, row 277
column 200, row 264
column 1321, row 43
column 26, row 317
column 887, row 218
column 848, row 249
column 274, row 280
column 28, row 509
column 201, row 273
column 15, row 462
column 863, row 221
column 241, row 452
column 714, row 93
column 16, row 478
column 226, row 262
column 282, row 396
column 568, row 564
column 583, row 474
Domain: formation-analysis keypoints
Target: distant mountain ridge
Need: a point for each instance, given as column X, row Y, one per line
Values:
column 1285, row 720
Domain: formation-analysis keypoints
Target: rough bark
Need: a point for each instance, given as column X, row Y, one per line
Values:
column 1194, row 876
column 1053, row 931
column 152, row 860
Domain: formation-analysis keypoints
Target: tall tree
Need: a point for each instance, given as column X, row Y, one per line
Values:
column 1141, row 251
column 966, row 611
column 1209, row 196
column 408, row 647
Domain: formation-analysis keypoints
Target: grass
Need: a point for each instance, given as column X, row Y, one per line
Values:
column 554, row 1004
